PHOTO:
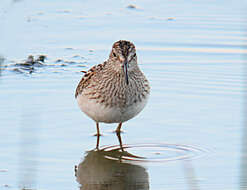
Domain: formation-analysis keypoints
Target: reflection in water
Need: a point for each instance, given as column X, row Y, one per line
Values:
column 112, row 168
column 118, row 133
column 98, row 172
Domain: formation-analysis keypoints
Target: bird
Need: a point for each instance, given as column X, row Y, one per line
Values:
column 116, row 90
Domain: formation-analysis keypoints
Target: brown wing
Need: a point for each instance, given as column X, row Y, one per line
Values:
column 85, row 81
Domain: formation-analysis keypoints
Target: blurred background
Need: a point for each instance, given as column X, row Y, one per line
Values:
column 191, row 134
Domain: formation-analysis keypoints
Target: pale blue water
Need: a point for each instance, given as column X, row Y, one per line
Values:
column 194, row 62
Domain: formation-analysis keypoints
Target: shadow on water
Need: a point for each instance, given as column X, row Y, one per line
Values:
column 97, row 171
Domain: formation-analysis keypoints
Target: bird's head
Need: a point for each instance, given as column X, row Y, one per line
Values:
column 123, row 55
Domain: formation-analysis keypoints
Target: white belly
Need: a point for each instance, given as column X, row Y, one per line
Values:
column 100, row 113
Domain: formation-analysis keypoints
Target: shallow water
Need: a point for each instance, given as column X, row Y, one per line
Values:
column 190, row 133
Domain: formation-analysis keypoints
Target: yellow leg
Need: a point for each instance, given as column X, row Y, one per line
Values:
column 97, row 126
column 98, row 136
column 118, row 131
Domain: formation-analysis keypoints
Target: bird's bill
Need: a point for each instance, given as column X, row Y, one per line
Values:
column 125, row 67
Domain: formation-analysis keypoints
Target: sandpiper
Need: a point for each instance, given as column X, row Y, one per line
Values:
column 116, row 90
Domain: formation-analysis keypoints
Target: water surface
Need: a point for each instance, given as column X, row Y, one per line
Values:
column 191, row 52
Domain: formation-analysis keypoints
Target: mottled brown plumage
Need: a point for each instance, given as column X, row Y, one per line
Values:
column 115, row 91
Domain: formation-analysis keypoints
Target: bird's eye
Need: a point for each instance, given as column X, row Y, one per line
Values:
column 114, row 54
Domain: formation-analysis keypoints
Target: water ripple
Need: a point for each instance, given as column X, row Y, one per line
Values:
column 155, row 152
